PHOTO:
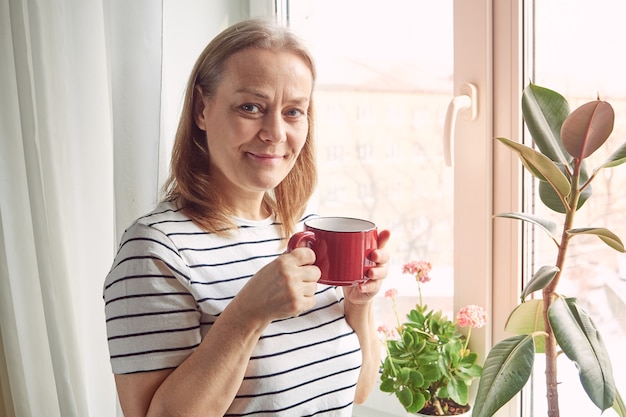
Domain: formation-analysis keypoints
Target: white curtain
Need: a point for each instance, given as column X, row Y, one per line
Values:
column 80, row 84
column 90, row 92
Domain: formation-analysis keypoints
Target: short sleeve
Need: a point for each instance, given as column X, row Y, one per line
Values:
column 152, row 320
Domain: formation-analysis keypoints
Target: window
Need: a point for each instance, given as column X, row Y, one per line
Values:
column 389, row 66
column 393, row 67
column 414, row 56
column 394, row 89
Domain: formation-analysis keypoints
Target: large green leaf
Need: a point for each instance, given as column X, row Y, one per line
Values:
column 527, row 319
column 579, row 339
column 544, row 112
column 551, row 199
column 546, row 224
column 587, row 128
column 541, row 167
column 540, row 280
column 506, row 371
column 604, row 234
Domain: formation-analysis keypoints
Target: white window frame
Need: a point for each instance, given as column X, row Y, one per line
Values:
column 508, row 82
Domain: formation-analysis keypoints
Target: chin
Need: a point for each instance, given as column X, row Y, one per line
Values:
column 267, row 184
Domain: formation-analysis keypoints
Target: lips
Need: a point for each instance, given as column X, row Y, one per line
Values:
column 266, row 156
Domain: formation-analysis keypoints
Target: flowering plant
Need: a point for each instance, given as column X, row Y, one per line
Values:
column 429, row 366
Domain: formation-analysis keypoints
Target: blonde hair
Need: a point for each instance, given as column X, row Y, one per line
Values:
column 190, row 184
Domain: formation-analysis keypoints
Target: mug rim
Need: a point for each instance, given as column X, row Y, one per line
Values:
column 368, row 225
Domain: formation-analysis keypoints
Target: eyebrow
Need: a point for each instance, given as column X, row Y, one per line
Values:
column 254, row 92
column 260, row 94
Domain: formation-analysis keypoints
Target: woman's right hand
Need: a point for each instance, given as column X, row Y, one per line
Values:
column 283, row 288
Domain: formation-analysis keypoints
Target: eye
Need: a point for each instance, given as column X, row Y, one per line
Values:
column 250, row 108
column 294, row 113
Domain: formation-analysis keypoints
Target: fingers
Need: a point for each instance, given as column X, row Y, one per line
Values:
column 371, row 287
column 380, row 256
column 305, row 258
column 383, row 238
column 286, row 286
column 378, row 273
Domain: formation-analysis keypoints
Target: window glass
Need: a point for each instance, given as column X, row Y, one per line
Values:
column 385, row 81
column 575, row 54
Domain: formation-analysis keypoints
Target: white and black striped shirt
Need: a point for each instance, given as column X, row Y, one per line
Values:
column 171, row 280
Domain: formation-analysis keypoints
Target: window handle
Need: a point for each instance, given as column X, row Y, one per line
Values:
column 466, row 103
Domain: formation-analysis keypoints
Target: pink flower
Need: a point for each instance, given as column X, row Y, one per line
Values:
column 391, row 293
column 386, row 331
column 419, row 269
column 471, row 316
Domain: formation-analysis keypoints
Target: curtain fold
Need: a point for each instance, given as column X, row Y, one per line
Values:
column 63, row 181
column 81, row 156
column 135, row 56
column 36, row 353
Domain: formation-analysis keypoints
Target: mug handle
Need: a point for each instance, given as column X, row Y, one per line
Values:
column 302, row 238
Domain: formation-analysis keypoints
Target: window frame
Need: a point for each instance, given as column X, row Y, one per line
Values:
column 508, row 179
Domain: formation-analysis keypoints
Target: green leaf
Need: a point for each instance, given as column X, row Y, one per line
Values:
column 587, row 128
column 544, row 112
column 405, row 396
column 604, row 234
column 527, row 319
column 458, row 391
column 618, row 158
column 387, row 385
column 541, row 167
column 407, row 339
column 619, row 406
column 551, row 199
column 579, row 339
column 416, row 379
column 475, row 371
column 415, row 316
column 404, row 376
column 506, row 371
column 430, row 372
column 540, row 280
column 418, row 402
column 546, row 224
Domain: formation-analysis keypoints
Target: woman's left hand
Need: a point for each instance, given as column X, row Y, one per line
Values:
column 364, row 292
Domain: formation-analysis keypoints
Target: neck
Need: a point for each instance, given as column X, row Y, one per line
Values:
column 251, row 210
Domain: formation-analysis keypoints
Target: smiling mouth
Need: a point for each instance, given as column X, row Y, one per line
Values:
column 265, row 157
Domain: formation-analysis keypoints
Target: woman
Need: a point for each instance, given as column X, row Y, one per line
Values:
column 206, row 313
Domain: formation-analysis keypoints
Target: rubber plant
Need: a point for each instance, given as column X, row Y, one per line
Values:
column 553, row 323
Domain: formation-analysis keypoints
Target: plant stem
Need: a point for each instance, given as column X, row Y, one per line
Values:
column 549, row 293
column 552, row 393
column 467, row 338
column 419, row 290
column 437, row 405
column 394, row 305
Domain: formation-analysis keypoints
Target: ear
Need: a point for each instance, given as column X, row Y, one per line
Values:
column 199, row 104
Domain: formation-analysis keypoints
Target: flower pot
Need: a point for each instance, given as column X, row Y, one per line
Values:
column 468, row 413
column 455, row 410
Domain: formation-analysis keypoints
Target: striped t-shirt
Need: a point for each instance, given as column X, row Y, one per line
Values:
column 171, row 280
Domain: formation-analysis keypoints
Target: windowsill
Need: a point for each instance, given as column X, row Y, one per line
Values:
column 379, row 404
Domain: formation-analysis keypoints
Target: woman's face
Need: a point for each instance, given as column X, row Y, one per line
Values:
column 256, row 124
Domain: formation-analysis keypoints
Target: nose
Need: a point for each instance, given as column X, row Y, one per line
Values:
column 273, row 128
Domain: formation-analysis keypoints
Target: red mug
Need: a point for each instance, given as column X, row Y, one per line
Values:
column 342, row 246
